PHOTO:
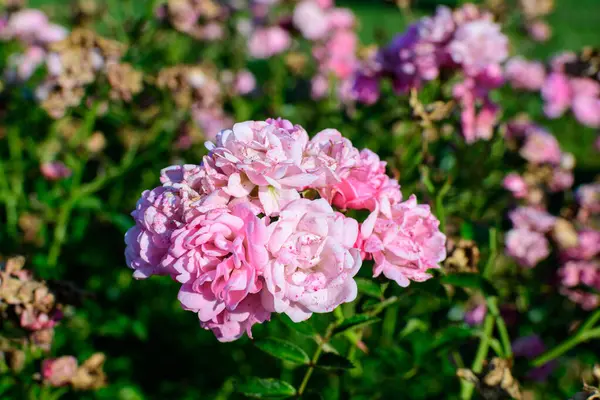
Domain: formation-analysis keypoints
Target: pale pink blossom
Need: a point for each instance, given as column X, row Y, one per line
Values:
column 475, row 315
column 55, row 170
column 557, row 95
column 541, row 147
column 313, row 262
column 267, row 42
column 532, row 218
column 516, row 185
column 220, row 255
column 587, row 110
column 539, row 31
column 526, row 75
column 588, row 197
column 59, row 371
column 341, row 18
column 561, row 180
column 319, row 87
column 405, row 243
column 581, row 273
column 26, row 24
column 245, row 82
column 310, row 19
column 527, row 247
column 588, row 246
column 478, row 44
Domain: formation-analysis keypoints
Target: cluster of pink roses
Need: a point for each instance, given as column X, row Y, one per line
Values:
column 563, row 88
column 246, row 236
column 466, row 41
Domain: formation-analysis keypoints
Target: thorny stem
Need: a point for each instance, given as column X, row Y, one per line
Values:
column 583, row 335
column 482, row 352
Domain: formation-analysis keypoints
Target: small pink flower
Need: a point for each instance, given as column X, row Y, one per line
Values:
column 478, row 44
column 319, row 87
column 557, row 95
column 541, row 147
column 532, row 218
column 405, row 243
column 313, row 262
column 59, row 371
column 341, row 18
column 26, row 24
column 581, row 273
column 561, row 180
column 55, row 170
column 539, row 31
column 523, row 74
column 28, row 63
column 527, row 247
column 587, row 248
column 587, row 110
column 476, row 315
column 245, row 82
column 588, row 197
column 516, row 185
column 310, row 19
column 267, row 42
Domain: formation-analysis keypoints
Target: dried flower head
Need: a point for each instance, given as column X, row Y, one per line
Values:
column 463, row 256
column 124, row 80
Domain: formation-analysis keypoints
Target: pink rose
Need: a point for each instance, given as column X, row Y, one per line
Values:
column 267, row 42
column 55, row 170
column 405, row 243
column 365, row 185
column 532, row 218
column 541, row 147
column 310, row 19
column 516, row 185
column 523, row 74
column 313, row 262
column 59, row 371
column 267, row 154
column 527, row 247
column 557, row 95
column 220, row 256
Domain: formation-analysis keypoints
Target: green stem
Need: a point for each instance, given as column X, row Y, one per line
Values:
column 492, row 303
column 587, row 325
column 582, row 336
column 482, row 352
column 315, row 359
column 493, row 241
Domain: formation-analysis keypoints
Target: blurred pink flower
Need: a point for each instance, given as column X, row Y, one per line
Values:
column 587, row 248
column 245, row 82
column 26, row 24
column 59, row 371
column 527, row 247
column 516, row 185
column 55, row 170
column 310, row 19
column 561, row 180
column 541, row 147
column 319, row 87
column 28, row 62
column 532, row 218
column 587, row 110
column 313, row 262
column 267, row 42
column 539, row 31
column 211, row 121
column 523, row 74
column 581, row 273
column 405, row 243
column 475, row 315
column 557, row 95
column 341, row 18
column 366, row 89
column 588, row 197
column 478, row 44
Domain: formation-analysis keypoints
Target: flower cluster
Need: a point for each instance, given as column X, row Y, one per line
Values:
column 566, row 86
column 65, row 371
column 201, row 19
column 29, row 302
column 33, row 29
column 245, row 236
column 76, row 62
column 466, row 41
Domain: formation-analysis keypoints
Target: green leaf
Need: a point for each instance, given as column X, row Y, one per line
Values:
column 333, row 361
column 353, row 322
column 473, row 281
column 263, row 388
column 368, row 287
column 304, row 328
column 283, row 350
